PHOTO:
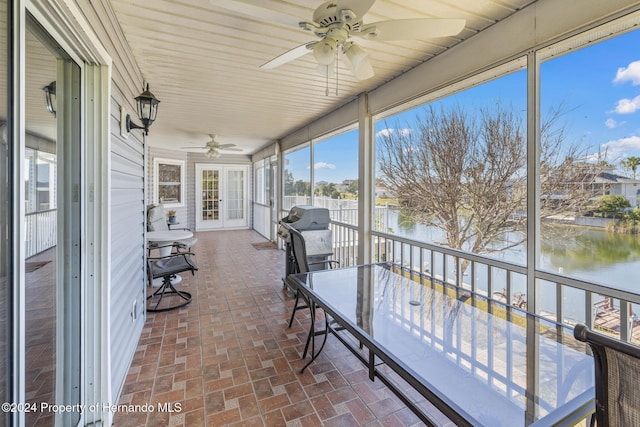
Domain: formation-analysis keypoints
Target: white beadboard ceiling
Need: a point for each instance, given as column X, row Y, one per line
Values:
column 202, row 57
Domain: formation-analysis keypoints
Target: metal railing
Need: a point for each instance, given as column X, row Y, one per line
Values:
column 41, row 231
column 598, row 306
column 502, row 283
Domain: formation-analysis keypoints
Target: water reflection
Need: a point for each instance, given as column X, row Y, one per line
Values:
column 590, row 250
column 584, row 253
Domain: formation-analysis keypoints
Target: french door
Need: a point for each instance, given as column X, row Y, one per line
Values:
column 221, row 196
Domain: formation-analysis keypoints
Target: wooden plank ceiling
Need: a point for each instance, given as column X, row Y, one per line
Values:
column 202, row 58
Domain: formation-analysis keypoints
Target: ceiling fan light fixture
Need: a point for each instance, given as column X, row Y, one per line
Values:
column 354, row 56
column 213, row 153
column 325, row 51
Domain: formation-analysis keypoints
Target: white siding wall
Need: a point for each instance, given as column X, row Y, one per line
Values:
column 127, row 209
column 127, row 258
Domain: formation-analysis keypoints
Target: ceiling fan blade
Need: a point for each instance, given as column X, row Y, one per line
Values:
column 232, row 149
column 411, row 29
column 359, row 7
column 226, row 145
column 261, row 10
column 289, row 56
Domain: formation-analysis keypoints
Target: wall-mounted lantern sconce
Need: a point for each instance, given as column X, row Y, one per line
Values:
column 147, row 110
column 50, row 97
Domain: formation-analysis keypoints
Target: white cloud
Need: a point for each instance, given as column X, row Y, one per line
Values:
column 389, row 131
column 628, row 106
column 384, row 132
column 629, row 74
column 323, row 165
column 612, row 124
column 621, row 147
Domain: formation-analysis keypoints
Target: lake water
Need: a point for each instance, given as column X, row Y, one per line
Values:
column 592, row 255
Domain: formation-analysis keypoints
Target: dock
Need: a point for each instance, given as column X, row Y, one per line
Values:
column 607, row 320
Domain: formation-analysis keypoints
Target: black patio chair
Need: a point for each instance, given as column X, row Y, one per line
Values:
column 167, row 268
column 617, row 379
column 303, row 265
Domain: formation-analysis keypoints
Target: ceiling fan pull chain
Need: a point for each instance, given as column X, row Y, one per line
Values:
column 336, row 62
column 326, row 90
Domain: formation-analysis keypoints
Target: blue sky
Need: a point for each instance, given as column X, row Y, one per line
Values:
column 598, row 86
column 601, row 86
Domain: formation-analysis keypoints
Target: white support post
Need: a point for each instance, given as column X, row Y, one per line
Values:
column 533, row 219
column 366, row 185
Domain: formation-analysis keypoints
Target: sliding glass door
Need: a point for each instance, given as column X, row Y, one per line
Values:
column 6, row 152
column 52, row 212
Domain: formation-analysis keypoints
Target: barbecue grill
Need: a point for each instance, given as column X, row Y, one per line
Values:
column 313, row 223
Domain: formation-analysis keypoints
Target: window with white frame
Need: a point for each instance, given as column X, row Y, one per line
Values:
column 335, row 166
column 169, row 182
column 258, row 174
column 297, row 177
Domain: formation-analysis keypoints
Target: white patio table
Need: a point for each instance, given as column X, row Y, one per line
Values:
column 167, row 237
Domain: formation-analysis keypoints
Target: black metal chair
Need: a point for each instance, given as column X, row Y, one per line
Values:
column 167, row 268
column 617, row 379
column 303, row 265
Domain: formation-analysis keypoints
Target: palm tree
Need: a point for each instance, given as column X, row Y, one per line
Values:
column 631, row 163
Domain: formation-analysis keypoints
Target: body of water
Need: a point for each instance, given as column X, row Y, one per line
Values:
column 592, row 255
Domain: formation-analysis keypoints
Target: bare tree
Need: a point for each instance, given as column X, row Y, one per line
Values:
column 465, row 173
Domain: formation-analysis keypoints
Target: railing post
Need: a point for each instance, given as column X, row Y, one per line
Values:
column 41, row 231
column 624, row 320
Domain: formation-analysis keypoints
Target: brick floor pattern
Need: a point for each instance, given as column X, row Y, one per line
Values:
column 229, row 359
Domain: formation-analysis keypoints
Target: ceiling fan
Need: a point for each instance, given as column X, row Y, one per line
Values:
column 338, row 22
column 213, row 148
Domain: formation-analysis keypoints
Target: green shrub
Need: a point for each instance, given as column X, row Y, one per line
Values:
column 611, row 206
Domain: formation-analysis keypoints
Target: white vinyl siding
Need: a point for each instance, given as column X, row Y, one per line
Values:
column 127, row 199
column 127, row 212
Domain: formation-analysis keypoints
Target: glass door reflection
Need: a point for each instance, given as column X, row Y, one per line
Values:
column 52, row 213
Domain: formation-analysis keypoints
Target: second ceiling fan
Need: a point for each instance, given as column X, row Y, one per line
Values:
column 337, row 23
column 214, row 148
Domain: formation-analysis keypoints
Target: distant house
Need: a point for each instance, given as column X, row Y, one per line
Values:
column 342, row 188
column 607, row 182
column 383, row 192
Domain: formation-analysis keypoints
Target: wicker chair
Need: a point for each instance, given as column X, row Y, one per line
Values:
column 617, row 379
